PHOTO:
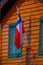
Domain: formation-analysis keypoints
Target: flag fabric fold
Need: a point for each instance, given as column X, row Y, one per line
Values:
column 18, row 33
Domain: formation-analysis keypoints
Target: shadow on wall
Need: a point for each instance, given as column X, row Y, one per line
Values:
column 41, row 1
column 11, row 10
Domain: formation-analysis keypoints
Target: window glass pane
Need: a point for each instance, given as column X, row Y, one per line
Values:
column 41, row 35
column 12, row 46
column 13, row 51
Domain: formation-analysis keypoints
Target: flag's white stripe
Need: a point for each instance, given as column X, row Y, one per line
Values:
column 19, row 27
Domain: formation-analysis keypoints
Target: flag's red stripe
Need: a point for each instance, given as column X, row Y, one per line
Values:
column 17, row 39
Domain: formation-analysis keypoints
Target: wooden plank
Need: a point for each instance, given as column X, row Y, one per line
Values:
column 14, row 64
column 5, row 29
column 4, row 26
column 31, row 6
column 5, row 44
column 6, row 47
column 13, row 61
column 4, row 36
column 35, row 28
column 4, row 40
column 25, row 14
column 5, row 33
column 27, row 10
column 28, row 2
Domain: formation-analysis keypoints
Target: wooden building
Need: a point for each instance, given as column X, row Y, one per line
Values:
column 33, row 54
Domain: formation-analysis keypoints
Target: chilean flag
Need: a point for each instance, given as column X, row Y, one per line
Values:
column 18, row 32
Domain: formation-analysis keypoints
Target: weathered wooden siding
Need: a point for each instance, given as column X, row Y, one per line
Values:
column 25, row 7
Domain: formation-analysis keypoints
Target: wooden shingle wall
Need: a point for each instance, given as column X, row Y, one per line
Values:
column 26, row 7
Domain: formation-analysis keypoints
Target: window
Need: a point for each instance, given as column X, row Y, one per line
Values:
column 13, row 52
column 41, row 37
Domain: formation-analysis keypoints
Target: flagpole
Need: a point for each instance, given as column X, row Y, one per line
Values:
column 29, row 29
column 28, row 42
column 17, row 9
